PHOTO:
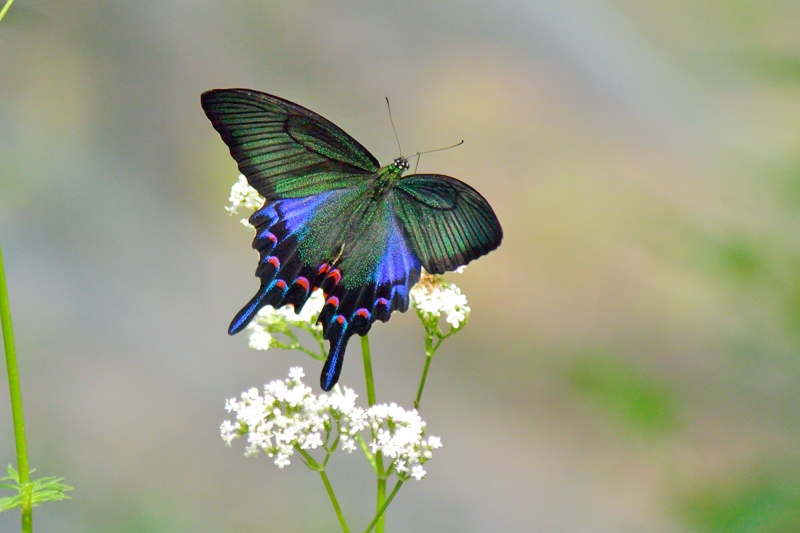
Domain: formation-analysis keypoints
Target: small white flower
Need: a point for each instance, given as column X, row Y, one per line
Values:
column 282, row 460
column 260, row 339
column 433, row 297
column 228, row 432
column 348, row 445
column 243, row 196
column 314, row 440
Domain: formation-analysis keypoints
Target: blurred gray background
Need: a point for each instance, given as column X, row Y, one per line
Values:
column 631, row 363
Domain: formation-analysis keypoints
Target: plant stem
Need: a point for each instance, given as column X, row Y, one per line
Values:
column 382, row 510
column 314, row 465
column 5, row 8
column 334, row 501
column 380, row 502
column 365, row 354
column 379, row 471
column 16, row 392
column 430, row 349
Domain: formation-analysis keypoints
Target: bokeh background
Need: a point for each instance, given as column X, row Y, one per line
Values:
column 631, row 363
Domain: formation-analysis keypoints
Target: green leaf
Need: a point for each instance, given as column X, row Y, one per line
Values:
column 38, row 491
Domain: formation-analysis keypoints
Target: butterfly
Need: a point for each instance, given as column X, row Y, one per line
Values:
column 333, row 219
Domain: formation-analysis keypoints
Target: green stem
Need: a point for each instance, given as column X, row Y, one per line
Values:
column 379, row 515
column 310, row 461
column 381, row 503
column 365, row 354
column 5, row 8
column 314, row 465
column 430, row 349
column 15, row 390
column 323, row 350
column 367, row 453
column 379, row 471
column 334, row 501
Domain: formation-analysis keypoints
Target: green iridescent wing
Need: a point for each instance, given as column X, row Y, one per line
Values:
column 284, row 149
column 447, row 222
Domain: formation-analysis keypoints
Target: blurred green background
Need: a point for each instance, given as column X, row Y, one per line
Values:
column 631, row 363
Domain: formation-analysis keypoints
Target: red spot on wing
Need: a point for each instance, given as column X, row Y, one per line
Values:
column 333, row 300
column 274, row 261
column 363, row 313
column 336, row 275
column 303, row 282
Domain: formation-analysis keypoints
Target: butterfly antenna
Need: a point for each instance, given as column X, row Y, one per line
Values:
column 418, row 154
column 396, row 138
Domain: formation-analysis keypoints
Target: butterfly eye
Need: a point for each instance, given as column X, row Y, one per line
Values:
column 401, row 163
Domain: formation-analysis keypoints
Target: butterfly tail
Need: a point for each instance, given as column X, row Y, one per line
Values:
column 249, row 311
column 338, row 333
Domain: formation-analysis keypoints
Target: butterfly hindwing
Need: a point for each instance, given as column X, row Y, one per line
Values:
column 365, row 266
column 297, row 247
column 377, row 273
column 287, row 275
column 448, row 223
column 285, row 150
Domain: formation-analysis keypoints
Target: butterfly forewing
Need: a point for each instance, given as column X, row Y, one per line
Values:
column 285, row 150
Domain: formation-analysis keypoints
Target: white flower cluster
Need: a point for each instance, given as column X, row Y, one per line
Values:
column 284, row 417
column 288, row 416
column 270, row 320
column 243, row 196
column 399, row 435
column 434, row 297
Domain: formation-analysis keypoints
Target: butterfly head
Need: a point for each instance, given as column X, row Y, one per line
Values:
column 401, row 164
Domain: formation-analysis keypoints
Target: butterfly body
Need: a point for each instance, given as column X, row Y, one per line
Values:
column 334, row 220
